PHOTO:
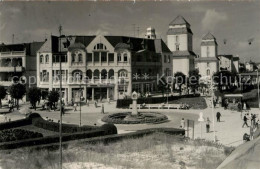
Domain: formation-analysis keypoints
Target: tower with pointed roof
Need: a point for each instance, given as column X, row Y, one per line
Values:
column 208, row 63
column 179, row 41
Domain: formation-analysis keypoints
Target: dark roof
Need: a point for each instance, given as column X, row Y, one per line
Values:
column 206, row 59
column 208, row 43
column 160, row 46
column 235, row 58
column 176, row 31
column 227, row 56
column 85, row 40
column 12, row 47
column 209, row 36
column 179, row 20
column 121, row 45
column 76, row 45
column 183, row 53
column 31, row 48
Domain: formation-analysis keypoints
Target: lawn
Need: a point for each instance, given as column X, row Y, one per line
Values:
column 154, row 151
column 194, row 102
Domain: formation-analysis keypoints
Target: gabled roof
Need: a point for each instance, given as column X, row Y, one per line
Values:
column 209, row 36
column 179, row 20
column 160, row 46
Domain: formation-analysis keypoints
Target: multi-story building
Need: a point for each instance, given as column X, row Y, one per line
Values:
column 179, row 40
column 100, row 66
column 229, row 63
column 18, row 60
column 208, row 63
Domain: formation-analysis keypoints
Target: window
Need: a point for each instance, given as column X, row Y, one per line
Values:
column 89, row 57
column 80, row 57
column 208, row 72
column 125, row 57
column 169, row 59
column 103, row 56
column 73, row 57
column 207, row 64
column 177, row 39
column 111, row 57
column 165, row 60
column 100, row 46
column 119, row 57
column 123, row 73
column 47, row 59
column 96, row 56
column 41, row 59
column 177, row 47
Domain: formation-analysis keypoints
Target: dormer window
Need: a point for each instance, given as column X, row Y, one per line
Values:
column 80, row 57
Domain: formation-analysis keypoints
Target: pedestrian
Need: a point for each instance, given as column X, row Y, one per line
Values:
column 10, row 106
column 245, row 121
column 182, row 123
column 102, row 109
column 75, row 107
column 246, row 137
column 253, row 118
column 87, row 102
column 218, row 116
column 214, row 103
column 95, row 103
column 207, row 125
column 244, row 107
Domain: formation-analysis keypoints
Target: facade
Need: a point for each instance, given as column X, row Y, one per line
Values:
column 179, row 41
column 250, row 66
column 18, row 60
column 100, row 67
column 229, row 63
column 208, row 63
column 150, row 33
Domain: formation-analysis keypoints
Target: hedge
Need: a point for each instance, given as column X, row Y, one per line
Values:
column 104, row 130
column 16, row 123
column 66, row 128
column 17, row 134
column 114, row 138
column 125, row 103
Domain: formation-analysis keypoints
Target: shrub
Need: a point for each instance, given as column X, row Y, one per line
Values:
column 17, row 134
column 13, row 124
column 109, row 129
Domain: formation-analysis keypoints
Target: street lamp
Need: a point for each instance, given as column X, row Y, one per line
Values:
column 212, row 107
column 80, row 104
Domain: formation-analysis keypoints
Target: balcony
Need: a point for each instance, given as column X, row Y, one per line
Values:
column 12, row 54
column 11, row 69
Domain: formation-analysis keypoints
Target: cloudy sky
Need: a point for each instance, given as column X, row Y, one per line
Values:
column 235, row 21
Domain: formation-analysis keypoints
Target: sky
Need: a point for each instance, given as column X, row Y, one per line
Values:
column 235, row 21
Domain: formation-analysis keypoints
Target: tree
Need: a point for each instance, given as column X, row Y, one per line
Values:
column 34, row 95
column 194, row 78
column 180, row 79
column 17, row 91
column 225, row 80
column 162, row 85
column 53, row 97
column 2, row 94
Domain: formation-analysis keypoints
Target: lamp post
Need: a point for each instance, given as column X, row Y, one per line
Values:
column 80, row 105
column 212, row 107
column 258, row 88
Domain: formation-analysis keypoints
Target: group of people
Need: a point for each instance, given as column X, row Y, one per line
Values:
column 11, row 105
column 253, row 127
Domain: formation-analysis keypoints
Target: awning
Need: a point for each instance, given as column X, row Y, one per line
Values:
column 233, row 96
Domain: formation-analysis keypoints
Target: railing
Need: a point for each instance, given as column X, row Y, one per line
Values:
column 11, row 69
column 15, row 53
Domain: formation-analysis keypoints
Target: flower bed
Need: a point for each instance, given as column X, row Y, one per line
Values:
column 127, row 118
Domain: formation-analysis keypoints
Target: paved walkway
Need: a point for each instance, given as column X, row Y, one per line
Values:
column 228, row 132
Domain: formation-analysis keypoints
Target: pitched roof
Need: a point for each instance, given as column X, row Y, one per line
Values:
column 209, row 36
column 179, row 20
column 226, row 56
column 176, row 31
column 183, row 53
column 160, row 46
column 235, row 58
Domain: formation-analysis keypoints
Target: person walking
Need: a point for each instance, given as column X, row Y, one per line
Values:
column 95, row 103
column 182, row 123
column 75, row 107
column 218, row 116
column 245, row 121
column 102, row 109
column 207, row 125
column 10, row 106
